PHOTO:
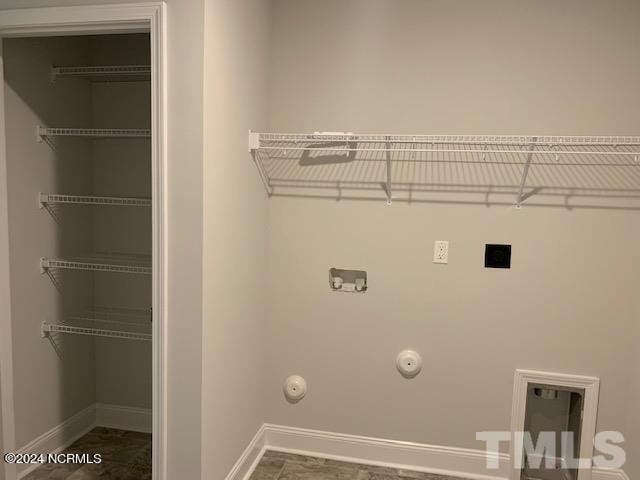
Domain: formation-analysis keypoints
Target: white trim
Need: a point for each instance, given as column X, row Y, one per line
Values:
column 59, row 437
column 103, row 19
column 609, row 474
column 6, row 336
column 123, row 417
column 451, row 461
column 457, row 462
column 248, row 461
column 591, row 386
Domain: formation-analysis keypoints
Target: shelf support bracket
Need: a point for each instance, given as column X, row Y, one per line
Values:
column 525, row 173
column 254, row 141
column 45, row 329
column 388, row 161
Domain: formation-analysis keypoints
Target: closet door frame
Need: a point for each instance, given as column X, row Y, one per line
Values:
column 84, row 20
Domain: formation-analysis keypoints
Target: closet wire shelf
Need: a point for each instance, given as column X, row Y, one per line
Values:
column 45, row 199
column 43, row 133
column 122, row 323
column 103, row 72
column 341, row 160
column 100, row 262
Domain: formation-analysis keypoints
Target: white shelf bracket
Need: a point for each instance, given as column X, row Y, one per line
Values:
column 44, row 265
column 388, row 183
column 40, row 134
column 525, row 173
column 45, row 329
column 254, row 141
column 43, row 199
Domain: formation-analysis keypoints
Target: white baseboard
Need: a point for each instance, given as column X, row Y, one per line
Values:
column 124, row 418
column 606, row 474
column 59, row 437
column 450, row 461
column 250, row 458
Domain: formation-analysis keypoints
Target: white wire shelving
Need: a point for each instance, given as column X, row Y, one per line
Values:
column 397, row 163
column 99, row 73
column 44, row 132
column 100, row 262
column 105, row 322
column 45, row 199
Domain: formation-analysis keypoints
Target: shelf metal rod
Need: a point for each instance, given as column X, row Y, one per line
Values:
column 389, row 193
column 453, row 150
column 525, row 173
column 54, row 198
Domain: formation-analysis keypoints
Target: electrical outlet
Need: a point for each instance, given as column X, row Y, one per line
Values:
column 441, row 251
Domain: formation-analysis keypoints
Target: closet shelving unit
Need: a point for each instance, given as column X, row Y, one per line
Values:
column 105, row 322
column 301, row 160
column 99, row 321
column 100, row 73
column 100, row 262
column 46, row 199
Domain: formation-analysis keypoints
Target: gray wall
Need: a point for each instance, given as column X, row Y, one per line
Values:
column 449, row 67
column 50, row 385
column 235, row 231
column 123, row 168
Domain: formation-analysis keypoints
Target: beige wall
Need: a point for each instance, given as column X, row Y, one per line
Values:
column 185, row 54
column 449, row 67
column 235, row 234
column 50, row 385
column 123, row 168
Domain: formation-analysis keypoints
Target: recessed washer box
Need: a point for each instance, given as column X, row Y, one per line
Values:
column 497, row 256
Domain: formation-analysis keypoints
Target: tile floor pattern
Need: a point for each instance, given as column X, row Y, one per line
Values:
column 125, row 456
column 286, row 466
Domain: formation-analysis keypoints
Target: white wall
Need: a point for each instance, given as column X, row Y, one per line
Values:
column 123, row 168
column 235, row 233
column 185, row 28
column 437, row 67
column 50, row 384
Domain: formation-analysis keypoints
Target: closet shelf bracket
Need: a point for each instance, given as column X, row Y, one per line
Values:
column 525, row 172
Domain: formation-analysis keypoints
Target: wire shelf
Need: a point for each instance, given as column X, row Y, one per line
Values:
column 54, row 199
column 100, row 262
column 105, row 322
column 98, row 73
column 94, row 132
column 394, row 163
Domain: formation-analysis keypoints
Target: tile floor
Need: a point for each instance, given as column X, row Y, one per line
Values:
column 125, row 456
column 286, row 466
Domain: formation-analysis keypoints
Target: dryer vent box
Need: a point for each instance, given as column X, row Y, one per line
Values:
column 497, row 256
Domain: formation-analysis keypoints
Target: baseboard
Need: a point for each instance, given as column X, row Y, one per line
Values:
column 124, row 418
column 59, row 437
column 249, row 459
column 608, row 474
column 450, row 461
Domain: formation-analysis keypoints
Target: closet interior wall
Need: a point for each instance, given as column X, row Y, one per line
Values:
column 458, row 67
column 57, row 377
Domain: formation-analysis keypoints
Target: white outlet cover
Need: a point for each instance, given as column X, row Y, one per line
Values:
column 441, row 251
column 409, row 363
column 295, row 388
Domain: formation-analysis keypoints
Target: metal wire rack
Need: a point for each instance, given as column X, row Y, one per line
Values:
column 103, row 72
column 100, row 262
column 105, row 322
column 45, row 199
column 43, row 132
column 403, row 162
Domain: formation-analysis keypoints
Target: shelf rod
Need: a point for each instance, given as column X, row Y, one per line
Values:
column 48, row 328
column 525, row 173
column 45, row 199
column 452, row 150
column 389, row 193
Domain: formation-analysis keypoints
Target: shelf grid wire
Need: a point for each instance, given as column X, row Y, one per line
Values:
column 54, row 198
column 143, row 71
column 106, row 322
column 95, row 132
column 101, row 262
